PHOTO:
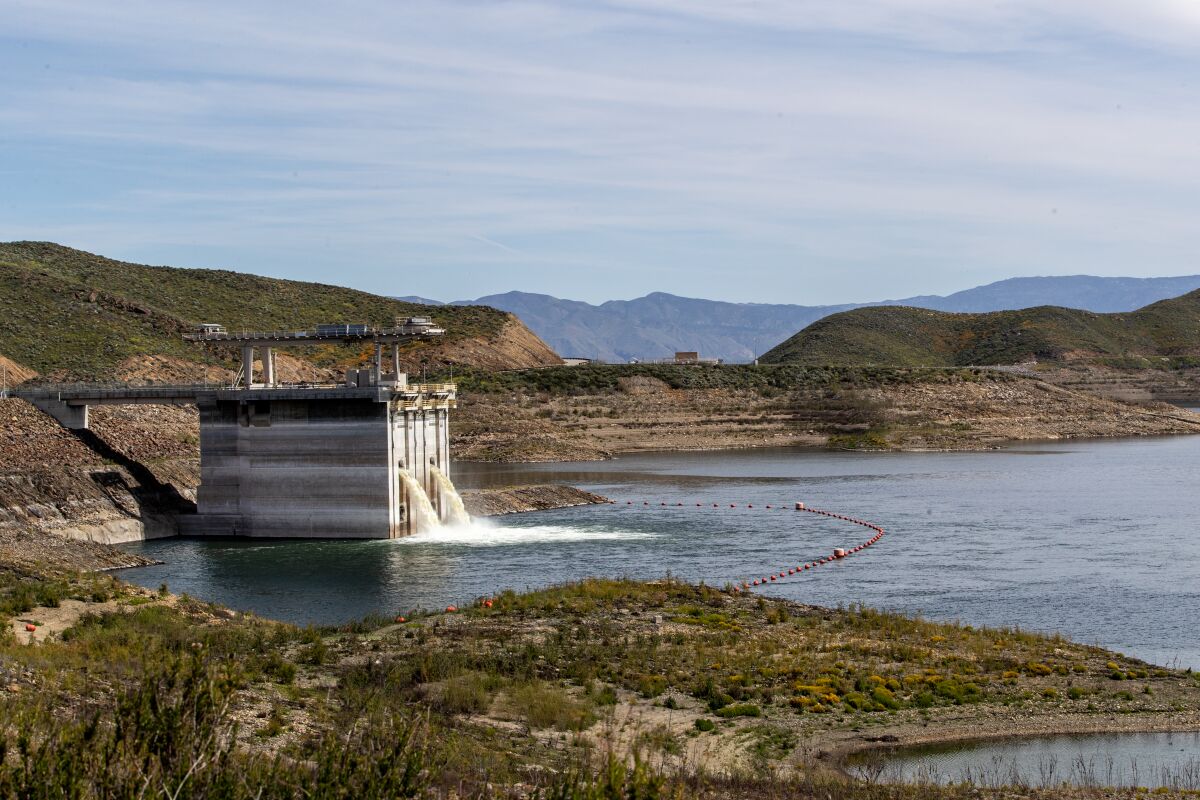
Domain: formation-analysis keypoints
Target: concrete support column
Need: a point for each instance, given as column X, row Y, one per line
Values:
column 396, row 361
column 72, row 417
column 248, row 366
column 268, row 357
column 377, row 369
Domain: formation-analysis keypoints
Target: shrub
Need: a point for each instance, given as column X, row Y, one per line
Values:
column 465, row 694
column 705, row 725
column 544, row 705
column 739, row 710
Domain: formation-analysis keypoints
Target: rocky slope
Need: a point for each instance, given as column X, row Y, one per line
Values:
column 521, row 499
column 903, row 409
column 125, row 479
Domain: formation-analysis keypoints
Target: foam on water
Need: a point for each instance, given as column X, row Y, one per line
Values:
column 480, row 533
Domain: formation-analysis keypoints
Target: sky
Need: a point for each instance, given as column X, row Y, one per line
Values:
column 772, row 151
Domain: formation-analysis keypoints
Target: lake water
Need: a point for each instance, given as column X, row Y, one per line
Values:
column 1096, row 540
column 1128, row 759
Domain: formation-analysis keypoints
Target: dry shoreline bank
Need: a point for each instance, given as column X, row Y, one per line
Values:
column 945, row 411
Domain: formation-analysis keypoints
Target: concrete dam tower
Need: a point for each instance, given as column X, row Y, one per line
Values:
column 346, row 461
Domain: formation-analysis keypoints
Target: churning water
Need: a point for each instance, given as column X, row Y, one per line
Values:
column 424, row 516
column 453, row 508
column 1096, row 540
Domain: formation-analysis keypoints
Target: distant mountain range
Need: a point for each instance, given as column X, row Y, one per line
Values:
column 657, row 325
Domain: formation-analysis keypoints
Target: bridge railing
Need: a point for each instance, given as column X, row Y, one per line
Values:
column 69, row 391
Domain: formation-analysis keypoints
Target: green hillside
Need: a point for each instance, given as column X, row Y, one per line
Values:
column 74, row 315
column 895, row 335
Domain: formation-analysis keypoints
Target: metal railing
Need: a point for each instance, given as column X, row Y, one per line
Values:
column 60, row 391
column 315, row 334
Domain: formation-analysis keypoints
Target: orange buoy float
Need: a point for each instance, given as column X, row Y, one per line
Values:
column 399, row 619
column 29, row 626
column 451, row 609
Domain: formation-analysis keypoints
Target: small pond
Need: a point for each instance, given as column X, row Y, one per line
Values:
column 1124, row 759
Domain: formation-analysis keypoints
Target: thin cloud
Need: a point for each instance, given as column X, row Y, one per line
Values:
column 799, row 144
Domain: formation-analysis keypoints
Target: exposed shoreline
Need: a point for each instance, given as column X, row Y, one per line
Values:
column 947, row 411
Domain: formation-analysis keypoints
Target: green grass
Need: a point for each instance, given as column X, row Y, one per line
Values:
column 1161, row 335
column 79, row 315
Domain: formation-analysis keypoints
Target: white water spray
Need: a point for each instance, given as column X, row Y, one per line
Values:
column 421, row 511
column 452, row 502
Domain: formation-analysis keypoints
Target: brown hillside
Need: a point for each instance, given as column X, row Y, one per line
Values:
column 14, row 373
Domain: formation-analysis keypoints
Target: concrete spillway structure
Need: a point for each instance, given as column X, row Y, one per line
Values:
column 277, row 460
column 318, row 462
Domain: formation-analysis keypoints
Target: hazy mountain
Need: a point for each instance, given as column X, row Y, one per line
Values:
column 657, row 325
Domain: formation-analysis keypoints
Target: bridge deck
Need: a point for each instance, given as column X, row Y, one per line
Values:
column 79, row 394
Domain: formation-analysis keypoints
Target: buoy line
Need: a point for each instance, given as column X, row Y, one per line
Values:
column 791, row 571
column 838, row 553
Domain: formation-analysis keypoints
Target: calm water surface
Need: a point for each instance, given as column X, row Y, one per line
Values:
column 1097, row 540
column 1127, row 759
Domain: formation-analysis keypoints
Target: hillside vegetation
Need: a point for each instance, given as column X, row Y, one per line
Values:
column 73, row 315
column 1167, row 331
column 586, row 691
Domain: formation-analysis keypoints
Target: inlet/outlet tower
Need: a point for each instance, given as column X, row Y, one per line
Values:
column 282, row 460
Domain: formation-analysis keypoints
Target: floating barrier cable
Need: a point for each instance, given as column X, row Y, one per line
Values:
column 791, row 571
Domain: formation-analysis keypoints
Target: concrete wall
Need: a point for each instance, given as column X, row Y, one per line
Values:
column 280, row 464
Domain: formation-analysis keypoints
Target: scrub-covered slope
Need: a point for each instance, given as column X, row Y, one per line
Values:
column 73, row 315
column 902, row 336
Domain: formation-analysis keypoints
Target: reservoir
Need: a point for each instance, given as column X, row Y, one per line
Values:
column 1096, row 540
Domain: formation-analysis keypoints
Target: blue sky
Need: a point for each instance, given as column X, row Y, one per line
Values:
column 790, row 151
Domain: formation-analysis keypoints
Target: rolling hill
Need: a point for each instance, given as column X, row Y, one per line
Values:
column 71, row 315
column 658, row 324
column 893, row 335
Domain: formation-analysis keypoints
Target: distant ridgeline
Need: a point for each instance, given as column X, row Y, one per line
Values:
column 1166, row 332
column 657, row 325
column 72, row 315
